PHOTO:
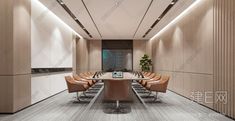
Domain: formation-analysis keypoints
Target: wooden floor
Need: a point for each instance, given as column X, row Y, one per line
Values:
column 63, row 108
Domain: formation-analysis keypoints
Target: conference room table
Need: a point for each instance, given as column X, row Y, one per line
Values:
column 118, row 88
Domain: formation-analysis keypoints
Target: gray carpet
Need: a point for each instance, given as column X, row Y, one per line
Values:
column 63, row 107
column 107, row 111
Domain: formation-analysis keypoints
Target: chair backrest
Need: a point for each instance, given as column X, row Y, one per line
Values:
column 86, row 74
column 157, row 77
column 80, row 77
column 164, row 81
column 90, row 73
column 165, row 78
column 152, row 75
column 69, row 81
column 74, row 86
column 148, row 74
column 143, row 72
column 83, row 75
column 76, row 77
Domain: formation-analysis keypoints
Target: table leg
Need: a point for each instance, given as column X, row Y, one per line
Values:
column 117, row 104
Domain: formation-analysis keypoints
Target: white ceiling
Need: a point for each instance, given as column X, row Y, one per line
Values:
column 117, row 19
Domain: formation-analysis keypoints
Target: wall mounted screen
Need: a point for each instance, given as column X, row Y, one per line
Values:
column 117, row 55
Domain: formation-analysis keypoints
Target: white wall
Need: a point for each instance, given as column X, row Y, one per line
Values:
column 51, row 40
column 51, row 47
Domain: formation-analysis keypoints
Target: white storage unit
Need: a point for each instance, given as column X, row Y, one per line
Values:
column 46, row 85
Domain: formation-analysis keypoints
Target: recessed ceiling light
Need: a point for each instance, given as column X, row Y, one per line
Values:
column 172, row 3
column 117, row 2
column 61, row 2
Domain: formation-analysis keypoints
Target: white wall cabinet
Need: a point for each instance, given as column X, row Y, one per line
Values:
column 44, row 86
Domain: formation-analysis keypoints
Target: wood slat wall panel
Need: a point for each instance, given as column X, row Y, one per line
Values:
column 166, row 45
column 185, row 51
column 232, row 56
column 224, row 54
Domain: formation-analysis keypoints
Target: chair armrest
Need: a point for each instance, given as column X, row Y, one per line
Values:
column 82, row 79
column 89, row 82
column 150, row 83
column 154, row 82
column 77, row 86
column 158, row 86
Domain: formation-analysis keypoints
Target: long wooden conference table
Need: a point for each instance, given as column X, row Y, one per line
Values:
column 118, row 88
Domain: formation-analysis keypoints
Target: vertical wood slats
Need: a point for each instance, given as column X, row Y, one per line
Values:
column 233, row 56
column 224, row 54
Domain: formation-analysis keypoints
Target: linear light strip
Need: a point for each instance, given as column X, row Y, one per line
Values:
column 143, row 18
column 91, row 18
column 176, row 19
column 62, row 4
column 41, row 4
column 173, row 2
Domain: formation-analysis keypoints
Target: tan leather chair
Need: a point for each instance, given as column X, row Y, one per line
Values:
column 91, row 73
column 83, row 75
column 152, row 75
column 143, row 72
column 87, row 76
column 79, row 78
column 76, row 86
column 158, row 86
column 155, row 78
column 147, row 74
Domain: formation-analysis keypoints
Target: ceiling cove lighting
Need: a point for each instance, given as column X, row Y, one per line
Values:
column 177, row 18
column 56, row 17
column 160, row 17
column 62, row 4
